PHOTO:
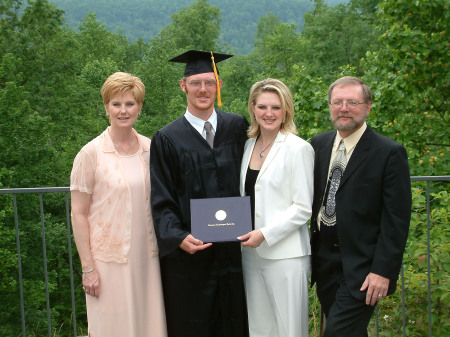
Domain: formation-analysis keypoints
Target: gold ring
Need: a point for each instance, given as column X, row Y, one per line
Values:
column 379, row 295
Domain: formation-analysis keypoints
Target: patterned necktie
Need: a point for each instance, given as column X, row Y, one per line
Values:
column 209, row 134
column 328, row 209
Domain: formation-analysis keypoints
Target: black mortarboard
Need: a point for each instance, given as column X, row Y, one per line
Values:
column 199, row 62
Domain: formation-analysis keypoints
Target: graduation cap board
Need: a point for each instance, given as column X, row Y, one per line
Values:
column 199, row 62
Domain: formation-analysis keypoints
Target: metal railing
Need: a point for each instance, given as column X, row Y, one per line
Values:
column 40, row 191
column 428, row 180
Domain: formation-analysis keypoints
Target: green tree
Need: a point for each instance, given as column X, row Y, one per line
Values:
column 196, row 27
column 277, row 47
column 238, row 74
column 98, row 43
column 338, row 36
column 8, row 23
column 161, row 84
column 411, row 79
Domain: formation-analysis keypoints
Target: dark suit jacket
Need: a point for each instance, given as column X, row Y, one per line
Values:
column 373, row 207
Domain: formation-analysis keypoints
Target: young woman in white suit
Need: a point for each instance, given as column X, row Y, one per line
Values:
column 277, row 174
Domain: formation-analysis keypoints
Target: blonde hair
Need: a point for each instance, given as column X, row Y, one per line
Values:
column 121, row 83
column 287, row 104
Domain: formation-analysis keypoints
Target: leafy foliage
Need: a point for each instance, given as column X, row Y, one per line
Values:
column 410, row 75
column 277, row 46
column 337, row 36
column 415, row 272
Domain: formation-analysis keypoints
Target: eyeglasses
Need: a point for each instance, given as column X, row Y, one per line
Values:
column 198, row 84
column 350, row 104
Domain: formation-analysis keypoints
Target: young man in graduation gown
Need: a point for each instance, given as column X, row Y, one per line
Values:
column 190, row 159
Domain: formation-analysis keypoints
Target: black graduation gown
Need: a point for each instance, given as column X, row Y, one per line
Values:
column 204, row 292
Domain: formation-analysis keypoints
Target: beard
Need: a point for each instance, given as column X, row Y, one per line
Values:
column 354, row 124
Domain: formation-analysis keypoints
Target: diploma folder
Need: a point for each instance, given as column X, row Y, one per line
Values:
column 220, row 219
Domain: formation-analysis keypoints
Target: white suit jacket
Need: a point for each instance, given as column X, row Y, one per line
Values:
column 283, row 196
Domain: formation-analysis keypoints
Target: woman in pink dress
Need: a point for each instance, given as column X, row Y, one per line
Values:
column 112, row 221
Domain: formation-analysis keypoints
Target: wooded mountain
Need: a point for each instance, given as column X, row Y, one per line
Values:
column 145, row 18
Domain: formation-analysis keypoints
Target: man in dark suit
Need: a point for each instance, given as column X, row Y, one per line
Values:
column 361, row 212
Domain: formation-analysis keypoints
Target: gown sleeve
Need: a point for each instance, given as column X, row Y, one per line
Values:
column 164, row 200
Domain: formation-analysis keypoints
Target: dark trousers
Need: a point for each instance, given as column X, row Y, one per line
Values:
column 346, row 316
column 204, row 293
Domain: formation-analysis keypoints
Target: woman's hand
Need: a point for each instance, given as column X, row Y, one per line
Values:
column 91, row 283
column 252, row 239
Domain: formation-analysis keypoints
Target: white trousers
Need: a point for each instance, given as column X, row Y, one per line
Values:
column 277, row 295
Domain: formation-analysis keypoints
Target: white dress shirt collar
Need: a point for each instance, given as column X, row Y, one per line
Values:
column 350, row 142
column 199, row 124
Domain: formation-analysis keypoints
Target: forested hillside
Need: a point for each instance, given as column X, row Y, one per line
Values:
column 145, row 18
column 50, row 106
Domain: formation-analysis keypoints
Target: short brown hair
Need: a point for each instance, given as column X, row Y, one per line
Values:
column 350, row 80
column 287, row 104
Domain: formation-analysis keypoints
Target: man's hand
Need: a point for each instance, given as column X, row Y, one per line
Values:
column 252, row 239
column 192, row 245
column 377, row 288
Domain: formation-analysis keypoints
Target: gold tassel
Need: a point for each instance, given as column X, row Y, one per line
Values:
column 219, row 100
